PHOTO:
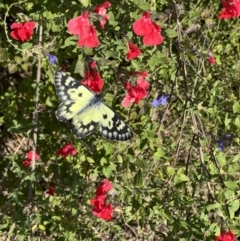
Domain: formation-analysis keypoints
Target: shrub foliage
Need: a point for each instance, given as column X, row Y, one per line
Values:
column 176, row 179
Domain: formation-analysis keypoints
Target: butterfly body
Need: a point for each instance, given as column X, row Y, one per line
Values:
column 84, row 110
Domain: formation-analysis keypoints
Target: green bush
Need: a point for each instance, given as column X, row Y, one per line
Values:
column 176, row 179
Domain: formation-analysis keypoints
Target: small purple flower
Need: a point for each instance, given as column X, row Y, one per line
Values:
column 52, row 59
column 160, row 100
column 221, row 145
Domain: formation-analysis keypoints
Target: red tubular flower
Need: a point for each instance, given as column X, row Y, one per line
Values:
column 79, row 25
column 211, row 60
column 86, row 32
column 27, row 162
column 225, row 236
column 231, row 9
column 97, row 203
column 51, row 189
column 135, row 93
column 90, row 39
column 133, row 51
column 101, row 9
column 144, row 25
column 142, row 82
column 67, row 150
column 22, row 31
column 105, row 212
column 103, row 189
column 30, row 154
column 93, row 79
column 155, row 37
column 149, row 30
column 92, row 65
column 100, row 208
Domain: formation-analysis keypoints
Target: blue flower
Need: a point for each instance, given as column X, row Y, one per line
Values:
column 220, row 144
column 227, row 136
column 160, row 100
column 52, row 59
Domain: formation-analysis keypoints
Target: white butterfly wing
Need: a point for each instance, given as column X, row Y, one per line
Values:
column 111, row 126
column 75, row 97
column 83, row 124
column 84, row 110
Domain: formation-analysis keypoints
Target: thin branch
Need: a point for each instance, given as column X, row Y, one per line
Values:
column 189, row 154
column 35, row 113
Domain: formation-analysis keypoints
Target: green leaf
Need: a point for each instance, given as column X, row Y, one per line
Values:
column 49, row 101
column 144, row 5
column 55, row 27
column 74, row 211
column 34, row 227
column 42, row 227
column 80, row 68
column 111, row 16
column 103, row 161
column 85, row 3
column 237, row 122
column 48, row 15
column 70, row 41
column 90, row 160
column 234, row 205
column 221, row 159
column 135, row 64
column 5, row 222
column 12, row 68
column 227, row 120
column 113, row 23
column 141, row 163
column 228, row 194
column 180, row 177
column 158, row 154
column 213, row 206
column 26, row 45
column 236, row 107
column 156, row 59
column 25, row 66
column 107, row 172
column 171, row 33
column 236, row 158
column 111, row 53
column 3, row 55
column 138, row 178
column 231, row 185
column 57, row 20
column 56, row 218
column 183, row 178
column 119, row 158
column 170, row 170
column 213, row 227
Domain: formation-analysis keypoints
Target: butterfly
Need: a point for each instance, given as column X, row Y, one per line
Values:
column 84, row 110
